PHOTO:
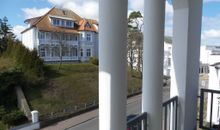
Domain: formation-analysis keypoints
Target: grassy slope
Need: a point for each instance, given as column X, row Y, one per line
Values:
column 72, row 85
column 69, row 86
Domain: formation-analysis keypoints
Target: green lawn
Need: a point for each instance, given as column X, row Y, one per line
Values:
column 72, row 85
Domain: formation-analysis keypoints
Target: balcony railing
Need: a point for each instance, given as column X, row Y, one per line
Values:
column 170, row 108
column 49, row 41
column 137, row 122
column 207, row 95
column 64, row 58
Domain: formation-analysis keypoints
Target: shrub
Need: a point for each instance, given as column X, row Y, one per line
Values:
column 3, row 126
column 93, row 61
column 2, row 112
column 14, row 118
column 8, row 80
column 28, row 61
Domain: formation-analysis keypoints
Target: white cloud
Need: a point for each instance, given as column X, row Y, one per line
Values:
column 136, row 5
column 211, row 37
column 211, row 30
column 87, row 9
column 17, row 30
column 34, row 12
column 211, row 34
column 211, row 1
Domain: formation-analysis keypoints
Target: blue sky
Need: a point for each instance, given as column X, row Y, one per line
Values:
column 19, row 10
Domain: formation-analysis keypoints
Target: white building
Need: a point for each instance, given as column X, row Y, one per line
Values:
column 61, row 33
column 167, row 58
column 210, row 65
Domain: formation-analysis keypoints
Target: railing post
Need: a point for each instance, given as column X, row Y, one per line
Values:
column 211, row 107
column 201, row 108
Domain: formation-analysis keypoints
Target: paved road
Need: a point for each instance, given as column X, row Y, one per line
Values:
column 133, row 106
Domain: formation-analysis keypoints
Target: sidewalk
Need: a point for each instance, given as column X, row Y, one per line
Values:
column 81, row 118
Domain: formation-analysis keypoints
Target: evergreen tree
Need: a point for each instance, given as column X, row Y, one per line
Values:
column 6, row 34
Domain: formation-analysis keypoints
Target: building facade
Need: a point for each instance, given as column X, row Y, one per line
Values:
column 167, row 59
column 210, row 78
column 62, row 34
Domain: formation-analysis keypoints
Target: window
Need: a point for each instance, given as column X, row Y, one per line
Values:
column 55, row 51
column 69, row 23
column 42, row 52
column 169, row 62
column 81, row 52
column 73, row 52
column 75, row 38
column 71, row 37
column 55, row 36
column 56, row 22
column 81, row 36
column 88, row 37
column 88, row 52
column 63, row 23
column 64, row 12
column 41, row 35
column 48, row 36
column 87, row 25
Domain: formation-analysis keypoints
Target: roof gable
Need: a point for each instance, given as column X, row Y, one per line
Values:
column 43, row 23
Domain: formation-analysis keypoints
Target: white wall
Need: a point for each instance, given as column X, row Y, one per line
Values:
column 29, row 38
column 204, row 54
column 84, row 44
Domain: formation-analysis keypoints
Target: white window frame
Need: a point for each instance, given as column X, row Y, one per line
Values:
column 88, row 52
column 88, row 37
column 56, row 22
column 42, row 35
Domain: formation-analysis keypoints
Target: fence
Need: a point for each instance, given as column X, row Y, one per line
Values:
column 204, row 96
column 170, row 108
column 74, row 110
column 137, row 122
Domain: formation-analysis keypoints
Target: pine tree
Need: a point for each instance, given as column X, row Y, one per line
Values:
column 6, row 34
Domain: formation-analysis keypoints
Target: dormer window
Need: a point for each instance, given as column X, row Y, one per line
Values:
column 56, row 22
column 64, row 12
column 69, row 23
column 62, row 22
column 88, row 25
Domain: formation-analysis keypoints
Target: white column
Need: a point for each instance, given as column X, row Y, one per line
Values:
column 154, row 13
column 185, row 65
column 112, row 64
